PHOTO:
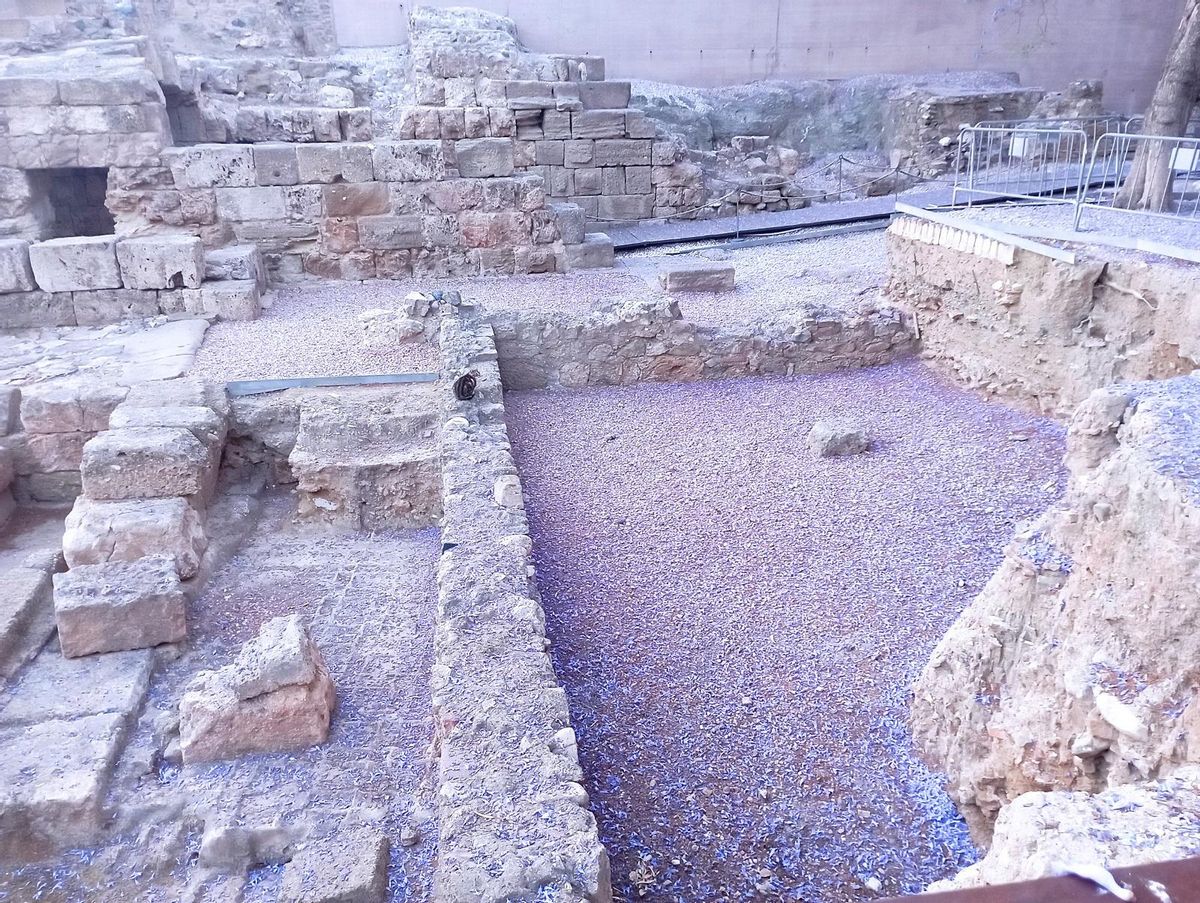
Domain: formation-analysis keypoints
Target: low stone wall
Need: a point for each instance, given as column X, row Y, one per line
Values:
column 513, row 812
column 1076, row 666
column 631, row 342
column 1015, row 323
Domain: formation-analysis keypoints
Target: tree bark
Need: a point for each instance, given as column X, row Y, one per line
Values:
column 1148, row 185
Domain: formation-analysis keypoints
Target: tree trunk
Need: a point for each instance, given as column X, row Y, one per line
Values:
column 1148, row 185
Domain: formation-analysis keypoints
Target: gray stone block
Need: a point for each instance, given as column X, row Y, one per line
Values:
column 211, row 166
column 604, row 95
column 349, row 867
column 626, row 207
column 99, row 532
column 484, row 157
column 623, row 152
column 276, row 164
column 112, row 305
column 570, row 220
column 409, row 161
column 598, row 124
column 698, row 278
column 595, row 252
column 16, row 275
column 119, row 605
column 234, row 300
column 146, row 463
column 76, row 264
column 262, row 203
column 391, row 232
column 161, row 261
column 235, row 263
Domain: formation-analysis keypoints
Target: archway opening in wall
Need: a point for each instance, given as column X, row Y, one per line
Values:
column 73, row 200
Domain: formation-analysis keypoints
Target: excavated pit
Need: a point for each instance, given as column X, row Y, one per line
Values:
column 737, row 622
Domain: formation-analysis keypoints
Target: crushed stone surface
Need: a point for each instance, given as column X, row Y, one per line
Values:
column 737, row 622
column 369, row 601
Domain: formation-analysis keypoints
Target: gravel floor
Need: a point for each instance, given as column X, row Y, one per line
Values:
column 737, row 622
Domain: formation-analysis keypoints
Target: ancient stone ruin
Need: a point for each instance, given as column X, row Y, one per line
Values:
column 438, row 463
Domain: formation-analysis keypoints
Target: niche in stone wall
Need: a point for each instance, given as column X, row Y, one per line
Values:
column 73, row 200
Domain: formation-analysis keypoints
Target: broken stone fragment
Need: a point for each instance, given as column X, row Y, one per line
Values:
column 276, row 696
column 349, row 867
column 236, row 848
column 384, row 329
column 837, row 437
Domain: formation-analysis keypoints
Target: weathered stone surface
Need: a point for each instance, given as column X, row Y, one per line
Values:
column 596, row 251
column 202, row 421
column 391, row 232
column 75, row 264
column 1074, row 667
column 49, row 452
column 98, row 532
column 24, row 310
column 69, row 406
column 53, row 801
column 235, row 263
column 257, row 704
column 232, row 300
column 234, row 849
column 211, row 166
column 112, row 305
column 166, row 261
column 837, row 437
column 409, row 161
column 16, row 275
column 349, row 867
column 698, row 278
column 1136, row 824
column 119, row 605
column 484, row 157
column 56, row 687
column 26, row 615
column 146, row 463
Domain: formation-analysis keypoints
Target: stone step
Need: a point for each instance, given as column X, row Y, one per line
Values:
column 369, row 459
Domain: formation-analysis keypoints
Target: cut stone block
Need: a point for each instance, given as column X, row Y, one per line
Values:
column 112, row 305
column 596, row 251
column 604, row 95
column 480, row 158
column 49, row 452
column 16, row 275
column 349, row 867
column 10, row 410
column 69, row 406
column 598, row 124
column 570, row 220
column 234, row 300
column 54, row 776
column 698, row 278
column 367, row 462
column 120, row 605
column 99, row 532
column 236, row 263
column 409, row 161
column 204, row 423
column 26, row 310
column 26, row 599
column 391, row 232
column 182, row 391
column 211, row 166
column 57, row 687
column 276, row 164
column 76, row 264
column 277, row 696
column 147, row 463
column 166, row 261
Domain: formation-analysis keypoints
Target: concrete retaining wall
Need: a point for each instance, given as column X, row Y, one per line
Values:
column 699, row 42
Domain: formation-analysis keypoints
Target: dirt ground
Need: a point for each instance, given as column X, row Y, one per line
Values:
column 737, row 622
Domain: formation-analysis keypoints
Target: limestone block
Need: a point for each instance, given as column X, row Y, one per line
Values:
column 262, row 203
column 391, row 232
column 698, row 278
column 236, row 263
column 69, row 406
column 577, row 153
column 639, row 125
column 58, row 488
column 589, row 181
column 623, row 152
column 211, row 166
column 237, row 299
column 76, row 264
column 604, row 95
column 349, row 867
column 58, row 687
column 146, row 463
column 598, row 124
column 363, row 199
column 595, row 251
column 27, row 91
column 24, row 310
column 276, row 164
column 202, row 421
column 638, row 180
column 112, row 305
column 121, row 87
column 162, row 261
column 409, row 161
column 119, row 605
column 530, row 95
column 10, row 413
column 356, row 124
column 626, row 207
column 276, row 696
column 49, row 452
column 837, row 437
column 26, row 615
column 484, row 157
column 54, row 801
column 99, row 532
column 16, row 275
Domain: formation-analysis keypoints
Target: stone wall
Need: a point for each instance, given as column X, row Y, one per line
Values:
column 631, row 342
column 1076, row 666
column 1019, row 324
column 513, row 810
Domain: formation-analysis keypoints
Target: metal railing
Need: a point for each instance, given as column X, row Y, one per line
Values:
column 1093, row 125
column 1020, row 162
column 1167, row 186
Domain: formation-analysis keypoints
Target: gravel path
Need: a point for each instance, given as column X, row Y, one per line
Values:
column 737, row 623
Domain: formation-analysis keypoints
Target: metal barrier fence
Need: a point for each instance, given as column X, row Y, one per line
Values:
column 1165, row 182
column 1092, row 125
column 1020, row 162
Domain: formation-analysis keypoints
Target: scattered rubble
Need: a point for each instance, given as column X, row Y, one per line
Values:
column 837, row 437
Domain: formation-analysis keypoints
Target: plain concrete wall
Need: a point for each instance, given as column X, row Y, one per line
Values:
column 720, row 42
